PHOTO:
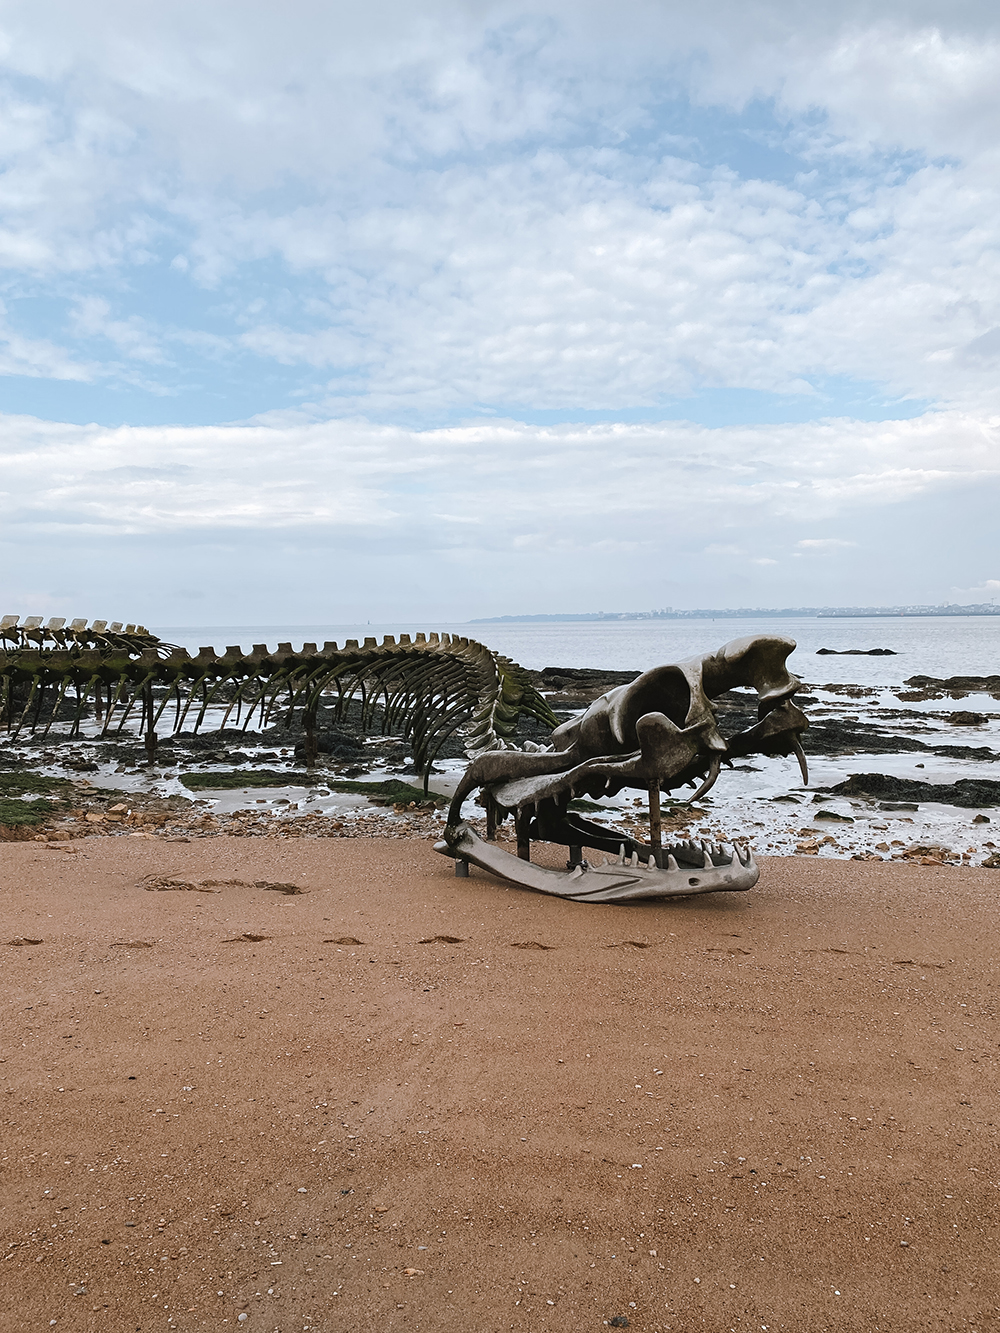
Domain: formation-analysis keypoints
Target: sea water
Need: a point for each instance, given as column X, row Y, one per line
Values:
column 925, row 645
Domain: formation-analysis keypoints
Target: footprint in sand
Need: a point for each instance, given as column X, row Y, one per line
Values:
column 171, row 884
column 533, row 944
column 19, row 940
column 131, row 944
column 629, row 944
column 344, row 939
column 247, row 938
column 442, row 939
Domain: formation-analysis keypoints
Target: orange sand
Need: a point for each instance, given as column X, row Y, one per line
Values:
column 426, row 1103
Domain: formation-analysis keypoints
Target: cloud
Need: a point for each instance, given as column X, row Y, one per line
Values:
column 501, row 481
column 468, row 205
column 316, row 517
column 37, row 357
column 986, row 591
column 132, row 337
column 407, row 235
column 823, row 543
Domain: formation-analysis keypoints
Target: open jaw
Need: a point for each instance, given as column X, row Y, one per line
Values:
column 654, row 734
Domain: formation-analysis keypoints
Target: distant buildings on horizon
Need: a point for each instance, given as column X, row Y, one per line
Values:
column 751, row 612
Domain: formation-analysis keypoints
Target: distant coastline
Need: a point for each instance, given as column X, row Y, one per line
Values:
column 749, row 613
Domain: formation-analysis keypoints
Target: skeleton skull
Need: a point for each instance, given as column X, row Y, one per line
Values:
column 656, row 733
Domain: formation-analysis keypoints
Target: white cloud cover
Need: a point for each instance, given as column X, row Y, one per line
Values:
column 488, row 212
column 501, row 509
column 427, row 214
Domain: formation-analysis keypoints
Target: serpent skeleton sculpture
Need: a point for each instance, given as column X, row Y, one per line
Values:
column 654, row 734
column 428, row 689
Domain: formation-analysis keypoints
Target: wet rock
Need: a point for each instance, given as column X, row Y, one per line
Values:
column 833, row 736
column 966, row 792
column 971, row 684
column 982, row 752
column 337, row 742
column 580, row 679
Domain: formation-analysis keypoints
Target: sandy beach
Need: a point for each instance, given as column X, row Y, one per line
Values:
column 400, row 1100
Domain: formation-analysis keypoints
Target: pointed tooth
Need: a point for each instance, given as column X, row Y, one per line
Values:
column 715, row 767
column 800, row 756
column 706, row 859
column 671, row 863
column 651, row 863
column 621, row 854
column 634, row 860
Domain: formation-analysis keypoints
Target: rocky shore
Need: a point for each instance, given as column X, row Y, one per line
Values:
column 912, row 773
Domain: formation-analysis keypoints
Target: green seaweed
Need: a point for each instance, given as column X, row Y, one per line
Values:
column 389, row 791
column 21, row 783
column 251, row 777
column 14, row 812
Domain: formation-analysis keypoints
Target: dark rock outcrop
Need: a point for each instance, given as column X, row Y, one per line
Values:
column 971, row 684
column 969, row 793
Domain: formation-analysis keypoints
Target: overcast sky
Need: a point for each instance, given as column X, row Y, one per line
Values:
column 319, row 311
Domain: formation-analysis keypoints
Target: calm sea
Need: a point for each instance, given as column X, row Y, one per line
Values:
column 946, row 646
